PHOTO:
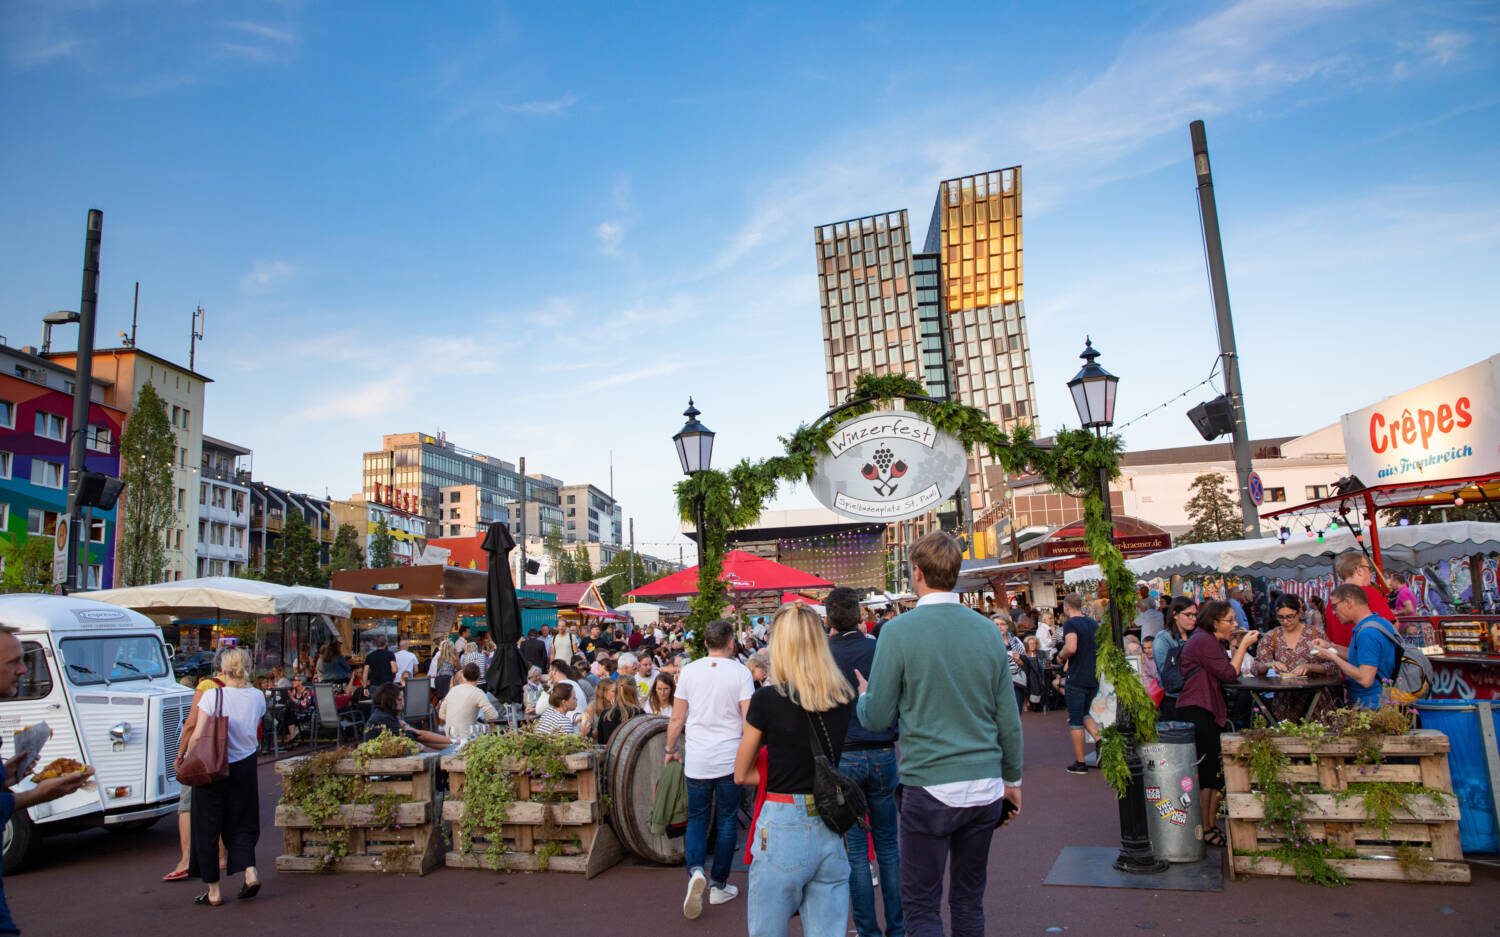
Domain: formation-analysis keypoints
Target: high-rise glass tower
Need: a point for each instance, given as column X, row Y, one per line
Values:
column 951, row 315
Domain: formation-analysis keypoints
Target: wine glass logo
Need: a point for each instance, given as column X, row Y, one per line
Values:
column 883, row 471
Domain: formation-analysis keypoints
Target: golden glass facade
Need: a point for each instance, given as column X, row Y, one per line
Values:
column 980, row 238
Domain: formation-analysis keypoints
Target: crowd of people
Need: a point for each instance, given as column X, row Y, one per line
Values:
column 920, row 711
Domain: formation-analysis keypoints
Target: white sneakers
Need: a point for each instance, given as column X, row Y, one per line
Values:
column 719, row 894
column 692, row 905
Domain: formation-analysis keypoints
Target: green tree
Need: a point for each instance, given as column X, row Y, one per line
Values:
column 1212, row 511
column 582, row 568
column 557, row 555
column 28, row 564
column 148, row 515
column 346, row 553
column 294, row 559
column 381, row 554
column 613, row 592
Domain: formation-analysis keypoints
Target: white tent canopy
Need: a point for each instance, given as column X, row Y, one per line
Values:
column 1400, row 548
column 221, row 594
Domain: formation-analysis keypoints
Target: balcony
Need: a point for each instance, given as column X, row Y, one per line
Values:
column 326, row 535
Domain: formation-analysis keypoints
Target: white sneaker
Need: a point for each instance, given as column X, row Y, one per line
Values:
column 719, row 894
column 692, row 905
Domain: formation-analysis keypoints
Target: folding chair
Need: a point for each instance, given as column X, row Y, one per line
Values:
column 418, row 706
column 327, row 716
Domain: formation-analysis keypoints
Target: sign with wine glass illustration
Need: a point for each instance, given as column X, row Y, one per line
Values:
column 887, row 466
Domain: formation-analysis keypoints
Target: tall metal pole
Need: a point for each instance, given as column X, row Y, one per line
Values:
column 1228, row 357
column 82, row 389
column 523, row 524
column 698, row 523
column 1136, row 854
column 632, row 553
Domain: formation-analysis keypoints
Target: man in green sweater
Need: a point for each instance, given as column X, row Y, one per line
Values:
column 944, row 668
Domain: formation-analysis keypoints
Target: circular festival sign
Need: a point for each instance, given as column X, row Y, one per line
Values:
column 888, row 466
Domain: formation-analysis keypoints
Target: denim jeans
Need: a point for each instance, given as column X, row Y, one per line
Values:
column 931, row 834
column 725, row 806
column 799, row 864
column 874, row 770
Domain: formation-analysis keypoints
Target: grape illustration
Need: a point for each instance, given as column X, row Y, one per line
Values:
column 883, row 458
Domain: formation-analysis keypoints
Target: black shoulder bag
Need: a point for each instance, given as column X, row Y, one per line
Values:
column 841, row 803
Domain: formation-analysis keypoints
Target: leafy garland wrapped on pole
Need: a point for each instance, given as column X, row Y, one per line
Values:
column 1071, row 464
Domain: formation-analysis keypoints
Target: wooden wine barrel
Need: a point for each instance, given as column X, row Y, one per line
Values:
column 633, row 764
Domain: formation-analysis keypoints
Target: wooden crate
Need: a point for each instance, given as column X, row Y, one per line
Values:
column 580, row 839
column 417, row 828
column 1428, row 831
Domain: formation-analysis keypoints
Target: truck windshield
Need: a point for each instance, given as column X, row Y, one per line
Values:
column 113, row 658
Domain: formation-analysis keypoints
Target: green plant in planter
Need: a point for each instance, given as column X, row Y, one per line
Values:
column 489, row 792
column 313, row 786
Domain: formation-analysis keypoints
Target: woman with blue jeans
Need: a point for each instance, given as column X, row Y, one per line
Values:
column 799, row 864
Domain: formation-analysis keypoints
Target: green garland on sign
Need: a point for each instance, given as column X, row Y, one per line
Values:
column 1071, row 465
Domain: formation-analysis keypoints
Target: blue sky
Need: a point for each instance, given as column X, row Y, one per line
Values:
column 541, row 229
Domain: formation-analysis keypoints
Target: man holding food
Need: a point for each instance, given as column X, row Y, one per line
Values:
column 60, row 779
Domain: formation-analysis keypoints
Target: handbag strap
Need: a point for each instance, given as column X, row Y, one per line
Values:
column 817, row 743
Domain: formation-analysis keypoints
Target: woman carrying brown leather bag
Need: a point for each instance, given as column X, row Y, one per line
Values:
column 185, row 799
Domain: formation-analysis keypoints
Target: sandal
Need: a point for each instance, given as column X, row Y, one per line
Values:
column 1213, row 836
column 248, row 891
column 176, row 875
column 204, row 899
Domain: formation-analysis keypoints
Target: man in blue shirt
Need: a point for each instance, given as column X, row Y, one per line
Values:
column 1372, row 651
column 1083, row 676
column 870, row 760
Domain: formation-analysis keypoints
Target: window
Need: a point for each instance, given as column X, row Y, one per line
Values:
column 4, row 522
column 7, row 414
column 1314, row 492
column 452, row 497
column 454, row 530
column 100, row 439
column 95, row 575
column 4, row 464
column 176, row 415
column 41, row 522
column 239, row 502
column 46, row 474
column 182, row 499
column 453, row 514
column 203, row 492
column 51, row 426
column 96, row 530
column 36, row 683
column 220, row 497
column 570, row 499
column 1275, row 494
column 236, row 537
column 128, row 657
column 186, row 418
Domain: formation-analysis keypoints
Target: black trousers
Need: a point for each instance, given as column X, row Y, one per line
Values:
column 229, row 809
column 931, row 832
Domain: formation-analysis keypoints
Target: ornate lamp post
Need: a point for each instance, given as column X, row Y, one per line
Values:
column 695, row 449
column 1093, row 391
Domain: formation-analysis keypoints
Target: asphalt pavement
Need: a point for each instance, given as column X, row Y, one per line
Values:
column 102, row 883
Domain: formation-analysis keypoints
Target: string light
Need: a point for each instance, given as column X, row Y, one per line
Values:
column 1458, row 502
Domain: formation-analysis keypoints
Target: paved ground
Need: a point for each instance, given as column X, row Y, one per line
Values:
column 99, row 883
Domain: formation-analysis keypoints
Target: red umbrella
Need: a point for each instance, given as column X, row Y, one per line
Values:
column 788, row 597
column 745, row 572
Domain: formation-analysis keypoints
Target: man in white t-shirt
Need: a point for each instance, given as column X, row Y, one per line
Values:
column 713, row 694
column 406, row 661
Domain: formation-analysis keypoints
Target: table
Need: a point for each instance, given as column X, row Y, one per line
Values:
column 1315, row 688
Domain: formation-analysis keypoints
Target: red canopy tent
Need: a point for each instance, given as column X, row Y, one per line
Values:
column 745, row 572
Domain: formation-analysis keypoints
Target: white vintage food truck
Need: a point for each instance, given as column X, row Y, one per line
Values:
column 101, row 677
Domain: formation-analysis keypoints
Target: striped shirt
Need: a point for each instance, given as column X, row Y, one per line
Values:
column 475, row 657
column 553, row 722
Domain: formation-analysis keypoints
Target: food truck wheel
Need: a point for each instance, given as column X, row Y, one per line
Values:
column 21, row 836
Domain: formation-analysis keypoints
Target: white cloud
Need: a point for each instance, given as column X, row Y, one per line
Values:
column 265, row 274
column 373, row 399
column 262, row 31
column 609, row 234
column 543, row 107
column 1446, row 48
column 631, row 377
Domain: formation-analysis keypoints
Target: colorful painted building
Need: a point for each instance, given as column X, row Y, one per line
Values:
column 36, row 410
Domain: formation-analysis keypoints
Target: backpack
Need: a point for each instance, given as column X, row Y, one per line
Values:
column 840, row 801
column 1171, row 677
column 1412, row 678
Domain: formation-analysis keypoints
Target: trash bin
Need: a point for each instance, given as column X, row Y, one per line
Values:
column 1174, row 808
column 1469, row 767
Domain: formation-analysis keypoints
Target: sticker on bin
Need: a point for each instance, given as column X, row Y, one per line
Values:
column 1153, row 793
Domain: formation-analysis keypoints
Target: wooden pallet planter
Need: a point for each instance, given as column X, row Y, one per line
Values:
column 577, row 839
column 414, row 831
column 1420, row 845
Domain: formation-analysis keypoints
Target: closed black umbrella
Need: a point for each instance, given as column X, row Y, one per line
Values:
column 507, row 673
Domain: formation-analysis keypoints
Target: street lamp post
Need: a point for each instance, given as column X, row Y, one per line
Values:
column 695, row 449
column 1093, row 391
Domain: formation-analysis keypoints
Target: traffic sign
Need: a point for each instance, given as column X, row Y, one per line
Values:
column 60, row 550
column 1257, row 490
